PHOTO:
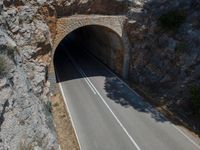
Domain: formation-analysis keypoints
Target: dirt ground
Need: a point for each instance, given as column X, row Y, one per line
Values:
column 65, row 132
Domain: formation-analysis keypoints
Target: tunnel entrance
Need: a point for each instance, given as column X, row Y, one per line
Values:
column 99, row 41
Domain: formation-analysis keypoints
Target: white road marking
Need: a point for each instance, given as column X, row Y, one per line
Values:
column 84, row 75
column 92, row 87
column 119, row 122
column 73, row 125
column 192, row 141
column 114, row 75
column 59, row 147
column 87, row 81
column 177, row 128
column 80, row 71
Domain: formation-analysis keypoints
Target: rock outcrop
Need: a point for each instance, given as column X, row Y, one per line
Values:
column 25, row 44
column 165, row 39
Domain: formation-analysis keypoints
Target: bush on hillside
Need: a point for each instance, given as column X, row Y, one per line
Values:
column 195, row 97
column 3, row 65
column 172, row 20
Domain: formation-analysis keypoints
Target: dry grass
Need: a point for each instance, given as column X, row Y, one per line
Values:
column 64, row 129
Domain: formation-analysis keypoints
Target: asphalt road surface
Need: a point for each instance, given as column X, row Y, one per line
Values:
column 107, row 114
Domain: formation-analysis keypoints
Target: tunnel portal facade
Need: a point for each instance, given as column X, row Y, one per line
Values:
column 111, row 24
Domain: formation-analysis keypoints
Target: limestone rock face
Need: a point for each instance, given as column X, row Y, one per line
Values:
column 25, row 46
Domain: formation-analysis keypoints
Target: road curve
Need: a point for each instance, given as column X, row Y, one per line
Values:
column 107, row 114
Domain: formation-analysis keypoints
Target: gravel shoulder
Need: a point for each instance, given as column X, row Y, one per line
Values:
column 65, row 132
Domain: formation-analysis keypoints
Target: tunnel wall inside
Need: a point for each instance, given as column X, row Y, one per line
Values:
column 105, row 44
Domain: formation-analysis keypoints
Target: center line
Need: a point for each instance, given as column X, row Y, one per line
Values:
column 119, row 122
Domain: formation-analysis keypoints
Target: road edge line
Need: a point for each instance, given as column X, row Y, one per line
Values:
column 186, row 136
column 68, row 110
column 173, row 125
column 81, row 72
column 106, row 67
column 118, row 121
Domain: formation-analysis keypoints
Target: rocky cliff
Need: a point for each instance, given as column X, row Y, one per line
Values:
column 165, row 38
column 165, row 58
column 25, row 46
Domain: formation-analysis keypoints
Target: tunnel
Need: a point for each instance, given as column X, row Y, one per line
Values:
column 97, row 41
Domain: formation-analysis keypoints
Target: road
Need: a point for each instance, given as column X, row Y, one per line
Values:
column 107, row 114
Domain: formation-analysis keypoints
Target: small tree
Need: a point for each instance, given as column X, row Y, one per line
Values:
column 172, row 20
column 3, row 65
column 195, row 97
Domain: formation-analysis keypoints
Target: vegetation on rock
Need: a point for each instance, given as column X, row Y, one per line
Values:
column 49, row 106
column 181, row 47
column 3, row 65
column 172, row 20
column 195, row 97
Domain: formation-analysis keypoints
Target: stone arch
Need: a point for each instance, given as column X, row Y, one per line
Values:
column 67, row 25
column 115, row 23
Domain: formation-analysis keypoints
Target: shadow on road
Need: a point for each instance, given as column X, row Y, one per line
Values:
column 114, row 88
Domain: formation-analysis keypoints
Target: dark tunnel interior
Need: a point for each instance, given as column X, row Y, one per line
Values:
column 101, row 42
column 90, row 47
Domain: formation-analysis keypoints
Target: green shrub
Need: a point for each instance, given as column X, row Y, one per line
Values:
column 49, row 106
column 56, row 104
column 181, row 48
column 195, row 97
column 3, row 65
column 172, row 20
column 24, row 147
